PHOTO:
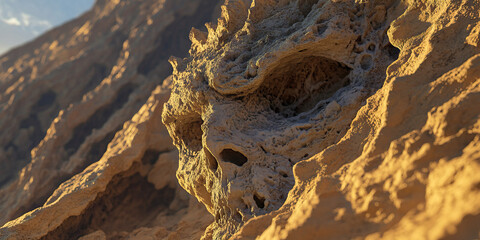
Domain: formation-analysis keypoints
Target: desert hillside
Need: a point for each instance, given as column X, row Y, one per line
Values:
column 263, row 119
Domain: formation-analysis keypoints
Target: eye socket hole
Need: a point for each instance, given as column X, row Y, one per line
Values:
column 190, row 134
column 300, row 82
column 232, row 156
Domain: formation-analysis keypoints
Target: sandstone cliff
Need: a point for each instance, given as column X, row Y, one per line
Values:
column 65, row 100
column 297, row 119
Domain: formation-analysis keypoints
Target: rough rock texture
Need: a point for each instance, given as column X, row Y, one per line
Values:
column 298, row 119
column 395, row 144
column 266, row 89
column 64, row 99
column 129, row 193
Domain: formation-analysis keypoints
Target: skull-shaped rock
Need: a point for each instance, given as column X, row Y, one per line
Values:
column 273, row 83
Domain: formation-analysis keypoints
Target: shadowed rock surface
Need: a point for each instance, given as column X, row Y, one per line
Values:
column 290, row 120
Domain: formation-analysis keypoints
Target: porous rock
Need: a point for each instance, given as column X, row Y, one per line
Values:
column 332, row 119
column 301, row 119
column 268, row 93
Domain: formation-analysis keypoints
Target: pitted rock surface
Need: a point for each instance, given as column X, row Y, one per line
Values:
column 290, row 119
column 64, row 101
column 272, row 84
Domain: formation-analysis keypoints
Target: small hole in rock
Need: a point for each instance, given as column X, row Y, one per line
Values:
column 211, row 160
column 392, row 51
column 359, row 40
column 300, row 83
column 366, row 62
column 260, row 201
column 232, row 156
column 190, row 133
column 371, row 47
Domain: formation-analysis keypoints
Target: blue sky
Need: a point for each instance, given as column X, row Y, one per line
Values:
column 23, row 20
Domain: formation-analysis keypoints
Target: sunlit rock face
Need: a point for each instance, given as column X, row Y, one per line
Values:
column 81, row 138
column 263, row 109
column 289, row 119
column 272, row 84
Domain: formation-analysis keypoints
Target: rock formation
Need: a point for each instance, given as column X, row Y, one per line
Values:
column 67, row 96
column 302, row 119
column 283, row 81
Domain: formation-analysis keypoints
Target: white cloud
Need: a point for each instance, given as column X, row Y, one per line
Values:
column 12, row 21
column 26, row 19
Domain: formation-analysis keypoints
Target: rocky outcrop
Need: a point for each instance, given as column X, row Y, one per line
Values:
column 332, row 119
column 286, row 83
column 292, row 120
column 130, row 192
column 66, row 97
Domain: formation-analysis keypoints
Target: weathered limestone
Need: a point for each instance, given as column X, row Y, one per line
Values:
column 277, row 82
column 298, row 119
column 269, row 87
